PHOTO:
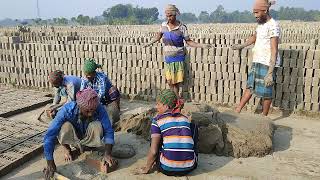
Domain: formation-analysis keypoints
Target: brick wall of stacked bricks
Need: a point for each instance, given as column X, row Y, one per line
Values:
column 216, row 75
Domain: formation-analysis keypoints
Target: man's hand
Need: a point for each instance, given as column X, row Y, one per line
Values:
column 51, row 112
column 142, row 170
column 268, row 80
column 237, row 47
column 109, row 161
column 49, row 170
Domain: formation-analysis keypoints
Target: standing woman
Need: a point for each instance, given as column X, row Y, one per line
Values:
column 173, row 33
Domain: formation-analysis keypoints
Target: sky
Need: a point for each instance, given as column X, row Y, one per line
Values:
column 27, row 9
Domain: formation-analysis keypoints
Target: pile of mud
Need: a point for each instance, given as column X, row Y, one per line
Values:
column 220, row 133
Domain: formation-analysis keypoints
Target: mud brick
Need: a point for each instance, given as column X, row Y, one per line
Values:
column 310, row 54
column 236, row 68
column 219, row 67
column 286, row 96
column 205, row 52
column 139, row 49
column 224, row 60
column 279, row 79
column 238, row 77
column 214, row 98
column 134, row 49
column 208, row 98
column 309, row 73
column 196, row 97
column 286, row 62
column 315, row 81
column 199, row 52
column 307, row 97
column 232, row 99
column 225, row 75
column 317, row 73
column 286, row 53
column 198, row 58
column 212, row 51
column 286, row 71
column 293, row 63
column 294, row 54
column 293, row 80
column 218, row 51
column 294, row 72
column 192, row 54
column 200, row 67
column 292, row 105
column 202, row 98
column 315, row 107
column 230, row 68
column 224, row 68
column 211, row 59
column 225, row 99
column 307, row 106
column 315, row 94
column 231, row 76
column 285, row 104
column 98, row 164
column 232, row 84
column 292, row 87
column 316, row 64
column 236, row 60
column 225, row 51
column 217, row 59
column 308, row 63
column 212, row 67
column 287, row 79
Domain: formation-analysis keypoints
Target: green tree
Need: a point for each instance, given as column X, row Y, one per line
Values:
column 83, row 20
column 37, row 21
column 204, row 17
column 188, row 17
column 219, row 15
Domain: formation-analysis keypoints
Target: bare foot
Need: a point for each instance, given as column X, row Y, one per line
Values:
column 237, row 109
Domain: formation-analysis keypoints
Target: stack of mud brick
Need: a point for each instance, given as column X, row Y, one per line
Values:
column 216, row 75
column 297, row 80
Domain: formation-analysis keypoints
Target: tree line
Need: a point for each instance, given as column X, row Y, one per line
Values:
column 127, row 14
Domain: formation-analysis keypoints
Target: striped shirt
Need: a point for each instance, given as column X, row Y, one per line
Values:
column 177, row 151
column 174, row 49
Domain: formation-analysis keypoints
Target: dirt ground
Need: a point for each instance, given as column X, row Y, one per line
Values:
column 296, row 155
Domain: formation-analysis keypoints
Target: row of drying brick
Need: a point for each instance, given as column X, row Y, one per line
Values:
column 202, row 67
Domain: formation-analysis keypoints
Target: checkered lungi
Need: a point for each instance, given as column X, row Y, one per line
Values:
column 255, row 81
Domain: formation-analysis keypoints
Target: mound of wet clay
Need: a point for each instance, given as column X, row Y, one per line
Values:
column 220, row 133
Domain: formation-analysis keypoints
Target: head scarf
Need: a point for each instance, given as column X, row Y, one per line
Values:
column 263, row 5
column 172, row 9
column 169, row 98
column 56, row 77
column 87, row 99
column 90, row 66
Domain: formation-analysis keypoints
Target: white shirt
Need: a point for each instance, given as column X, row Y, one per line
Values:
column 262, row 47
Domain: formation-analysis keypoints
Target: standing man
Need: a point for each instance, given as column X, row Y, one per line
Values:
column 174, row 33
column 265, row 57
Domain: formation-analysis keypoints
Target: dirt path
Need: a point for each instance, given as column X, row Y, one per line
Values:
column 296, row 156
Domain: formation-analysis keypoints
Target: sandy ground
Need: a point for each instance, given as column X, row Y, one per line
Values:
column 296, row 156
